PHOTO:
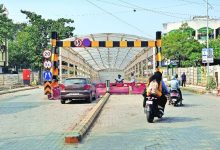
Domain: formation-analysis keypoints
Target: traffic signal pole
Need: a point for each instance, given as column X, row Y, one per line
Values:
column 55, row 56
column 158, row 49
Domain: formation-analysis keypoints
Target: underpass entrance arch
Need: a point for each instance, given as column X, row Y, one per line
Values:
column 90, row 44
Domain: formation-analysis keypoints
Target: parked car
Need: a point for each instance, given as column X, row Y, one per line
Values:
column 78, row 88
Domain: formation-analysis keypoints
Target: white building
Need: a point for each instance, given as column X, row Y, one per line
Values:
column 199, row 27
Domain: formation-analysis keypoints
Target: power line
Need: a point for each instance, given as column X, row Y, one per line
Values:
column 191, row 2
column 115, row 4
column 156, row 11
column 116, row 17
column 135, row 8
column 208, row 4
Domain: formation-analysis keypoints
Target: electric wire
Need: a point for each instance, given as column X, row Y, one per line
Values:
column 119, row 19
column 156, row 11
column 135, row 7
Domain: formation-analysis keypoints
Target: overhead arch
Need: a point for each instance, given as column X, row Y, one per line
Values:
column 101, row 58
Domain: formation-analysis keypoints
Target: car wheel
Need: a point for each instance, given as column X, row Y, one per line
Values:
column 89, row 100
column 63, row 101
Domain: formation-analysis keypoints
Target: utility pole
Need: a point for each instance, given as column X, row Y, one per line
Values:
column 207, row 36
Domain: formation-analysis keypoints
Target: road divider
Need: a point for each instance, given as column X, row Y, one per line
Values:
column 80, row 130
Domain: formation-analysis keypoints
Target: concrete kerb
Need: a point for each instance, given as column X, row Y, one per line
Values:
column 17, row 90
column 80, row 130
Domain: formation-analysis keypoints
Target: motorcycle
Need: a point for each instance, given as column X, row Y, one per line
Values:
column 152, row 109
column 174, row 98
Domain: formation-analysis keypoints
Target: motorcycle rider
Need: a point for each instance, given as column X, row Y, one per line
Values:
column 175, row 85
column 162, row 91
column 119, row 79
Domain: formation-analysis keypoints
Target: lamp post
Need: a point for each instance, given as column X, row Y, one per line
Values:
column 207, row 37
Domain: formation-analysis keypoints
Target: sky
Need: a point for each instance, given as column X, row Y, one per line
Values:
column 137, row 17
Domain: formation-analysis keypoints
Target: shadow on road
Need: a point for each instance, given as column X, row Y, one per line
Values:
column 176, row 119
column 190, row 105
column 81, row 102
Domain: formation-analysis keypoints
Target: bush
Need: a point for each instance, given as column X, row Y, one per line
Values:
column 211, row 83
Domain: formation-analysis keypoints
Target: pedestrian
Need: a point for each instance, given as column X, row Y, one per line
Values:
column 218, row 90
column 133, row 80
column 183, row 76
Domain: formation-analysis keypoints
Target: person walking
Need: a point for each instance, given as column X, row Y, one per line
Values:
column 183, row 76
column 133, row 80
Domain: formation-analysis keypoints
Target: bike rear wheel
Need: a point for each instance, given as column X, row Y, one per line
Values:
column 150, row 116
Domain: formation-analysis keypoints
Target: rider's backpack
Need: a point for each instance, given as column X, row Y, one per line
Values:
column 152, row 89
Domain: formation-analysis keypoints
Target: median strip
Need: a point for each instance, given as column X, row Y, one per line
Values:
column 80, row 130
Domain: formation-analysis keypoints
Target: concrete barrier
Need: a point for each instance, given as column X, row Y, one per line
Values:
column 80, row 130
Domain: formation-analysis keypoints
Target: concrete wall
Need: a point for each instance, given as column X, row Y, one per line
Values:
column 196, row 75
column 11, row 79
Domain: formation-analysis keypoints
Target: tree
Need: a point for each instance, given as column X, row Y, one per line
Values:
column 40, row 31
column 215, row 44
column 180, row 45
column 21, row 50
column 6, row 25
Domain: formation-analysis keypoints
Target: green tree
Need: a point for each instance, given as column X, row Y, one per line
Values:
column 215, row 44
column 21, row 50
column 180, row 45
column 6, row 25
column 41, row 32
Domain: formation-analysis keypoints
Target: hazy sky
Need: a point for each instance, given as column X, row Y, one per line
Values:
column 118, row 16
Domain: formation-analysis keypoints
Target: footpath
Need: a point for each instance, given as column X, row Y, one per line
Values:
column 18, row 89
column 195, row 89
column 199, row 90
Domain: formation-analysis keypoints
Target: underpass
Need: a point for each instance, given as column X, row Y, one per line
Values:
column 31, row 121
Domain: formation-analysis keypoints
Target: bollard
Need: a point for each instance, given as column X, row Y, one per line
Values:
column 107, row 86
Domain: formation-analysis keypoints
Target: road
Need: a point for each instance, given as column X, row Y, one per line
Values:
column 122, row 126
column 28, row 121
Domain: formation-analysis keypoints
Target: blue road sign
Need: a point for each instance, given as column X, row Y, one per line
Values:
column 86, row 42
column 47, row 76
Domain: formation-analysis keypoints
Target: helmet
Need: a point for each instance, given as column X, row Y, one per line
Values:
column 176, row 76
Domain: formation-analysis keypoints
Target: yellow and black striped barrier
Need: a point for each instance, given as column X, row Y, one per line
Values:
column 158, row 45
column 107, row 44
column 47, row 87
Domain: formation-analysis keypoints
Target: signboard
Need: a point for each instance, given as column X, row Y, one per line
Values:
column 86, row 42
column 78, row 42
column 47, row 75
column 46, row 54
column 207, row 55
column 47, row 64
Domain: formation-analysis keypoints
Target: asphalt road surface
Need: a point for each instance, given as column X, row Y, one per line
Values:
column 28, row 121
column 122, row 125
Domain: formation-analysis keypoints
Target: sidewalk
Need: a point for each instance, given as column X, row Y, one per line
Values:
column 198, row 89
column 18, row 89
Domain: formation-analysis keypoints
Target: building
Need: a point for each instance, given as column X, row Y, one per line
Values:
column 198, row 24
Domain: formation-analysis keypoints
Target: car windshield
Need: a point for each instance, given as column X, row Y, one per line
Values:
column 75, row 81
